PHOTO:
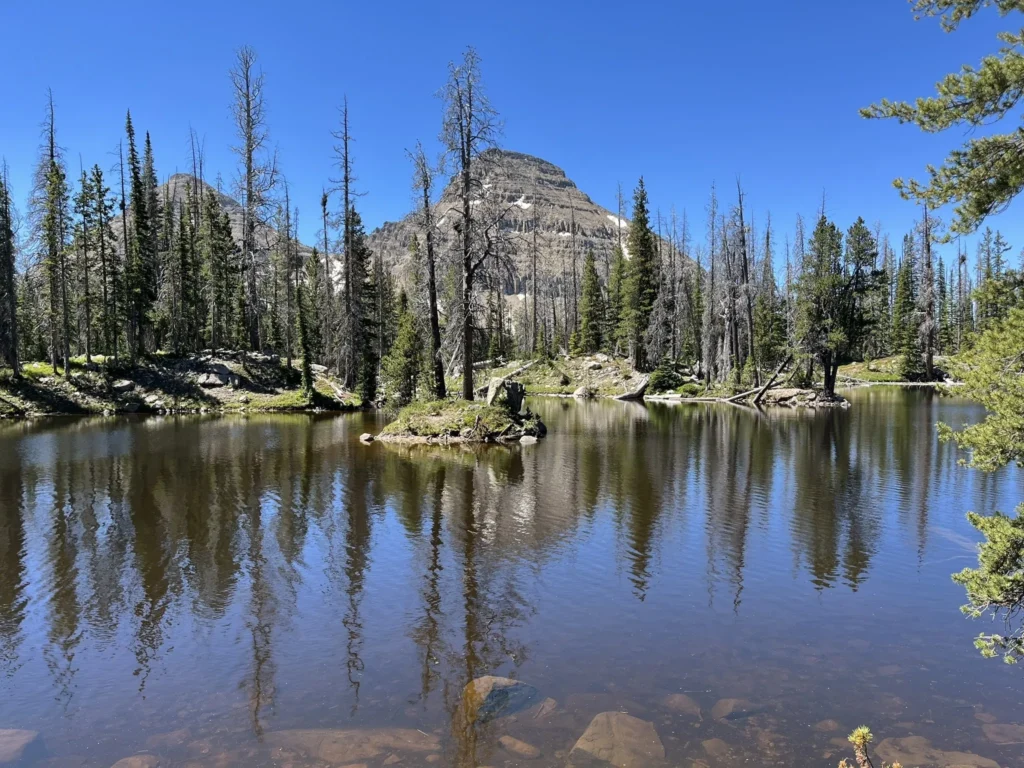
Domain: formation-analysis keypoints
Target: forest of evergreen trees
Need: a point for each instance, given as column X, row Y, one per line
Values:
column 112, row 267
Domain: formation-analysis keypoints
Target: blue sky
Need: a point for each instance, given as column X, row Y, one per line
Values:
column 684, row 93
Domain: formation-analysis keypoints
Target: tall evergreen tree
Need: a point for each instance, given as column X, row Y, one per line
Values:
column 592, row 315
column 401, row 368
column 640, row 289
column 613, row 309
column 9, row 342
column 303, row 332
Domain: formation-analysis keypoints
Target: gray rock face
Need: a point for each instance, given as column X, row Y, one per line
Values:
column 618, row 739
column 529, row 190
column 13, row 742
column 489, row 697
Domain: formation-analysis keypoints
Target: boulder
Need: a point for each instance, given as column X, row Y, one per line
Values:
column 122, row 385
column 583, row 393
column 343, row 746
column 618, row 739
column 592, row 365
column 826, row 726
column 366, row 437
column 213, row 380
column 527, row 440
column 13, row 742
column 520, row 748
column 490, row 697
column 918, row 751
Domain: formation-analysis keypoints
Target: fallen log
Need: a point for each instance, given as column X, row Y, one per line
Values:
column 740, row 396
column 637, row 393
column 766, row 387
column 483, row 390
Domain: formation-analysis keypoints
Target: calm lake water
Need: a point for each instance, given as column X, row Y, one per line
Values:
column 191, row 586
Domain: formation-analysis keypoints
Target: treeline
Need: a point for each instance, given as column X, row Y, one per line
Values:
column 116, row 267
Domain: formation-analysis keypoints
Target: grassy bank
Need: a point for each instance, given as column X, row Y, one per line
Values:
column 221, row 382
column 459, row 421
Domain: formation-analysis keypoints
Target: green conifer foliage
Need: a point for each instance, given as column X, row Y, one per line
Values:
column 592, row 312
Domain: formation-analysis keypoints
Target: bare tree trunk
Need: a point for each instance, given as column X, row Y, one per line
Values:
column 533, row 272
column 328, row 304
column 424, row 182
column 745, row 276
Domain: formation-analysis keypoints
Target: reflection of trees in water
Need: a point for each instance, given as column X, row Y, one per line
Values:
column 13, row 598
column 144, row 522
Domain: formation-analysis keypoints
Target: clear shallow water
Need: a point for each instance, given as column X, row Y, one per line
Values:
column 227, row 578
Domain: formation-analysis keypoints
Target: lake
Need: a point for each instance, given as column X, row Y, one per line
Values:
column 192, row 587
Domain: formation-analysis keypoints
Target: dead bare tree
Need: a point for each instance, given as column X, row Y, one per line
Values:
column 469, row 127
column 424, row 183
column 258, row 172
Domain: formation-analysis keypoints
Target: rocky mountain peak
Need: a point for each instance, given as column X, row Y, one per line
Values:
column 539, row 195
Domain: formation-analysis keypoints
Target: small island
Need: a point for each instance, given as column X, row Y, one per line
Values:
column 501, row 418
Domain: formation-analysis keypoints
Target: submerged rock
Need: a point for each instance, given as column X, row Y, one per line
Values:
column 169, row 740
column 518, row 747
column 716, row 748
column 542, row 710
column 680, row 702
column 13, row 742
column 731, row 709
column 527, row 440
column 1004, row 733
column 138, row 761
column 826, row 726
column 489, row 697
column 618, row 739
column 918, row 751
column 342, row 746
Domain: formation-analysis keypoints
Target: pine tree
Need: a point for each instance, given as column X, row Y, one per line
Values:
column 769, row 320
column 403, row 365
column 905, row 318
column 985, row 174
column 613, row 312
column 315, row 296
column 102, row 208
column 592, row 314
column 303, row 332
column 140, row 258
column 84, row 240
column 830, row 290
column 56, row 219
column 993, row 374
column 640, row 288
column 9, row 319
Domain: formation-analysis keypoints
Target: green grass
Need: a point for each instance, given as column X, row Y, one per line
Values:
column 447, row 418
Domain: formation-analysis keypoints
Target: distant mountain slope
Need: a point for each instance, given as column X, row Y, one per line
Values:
column 535, row 190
